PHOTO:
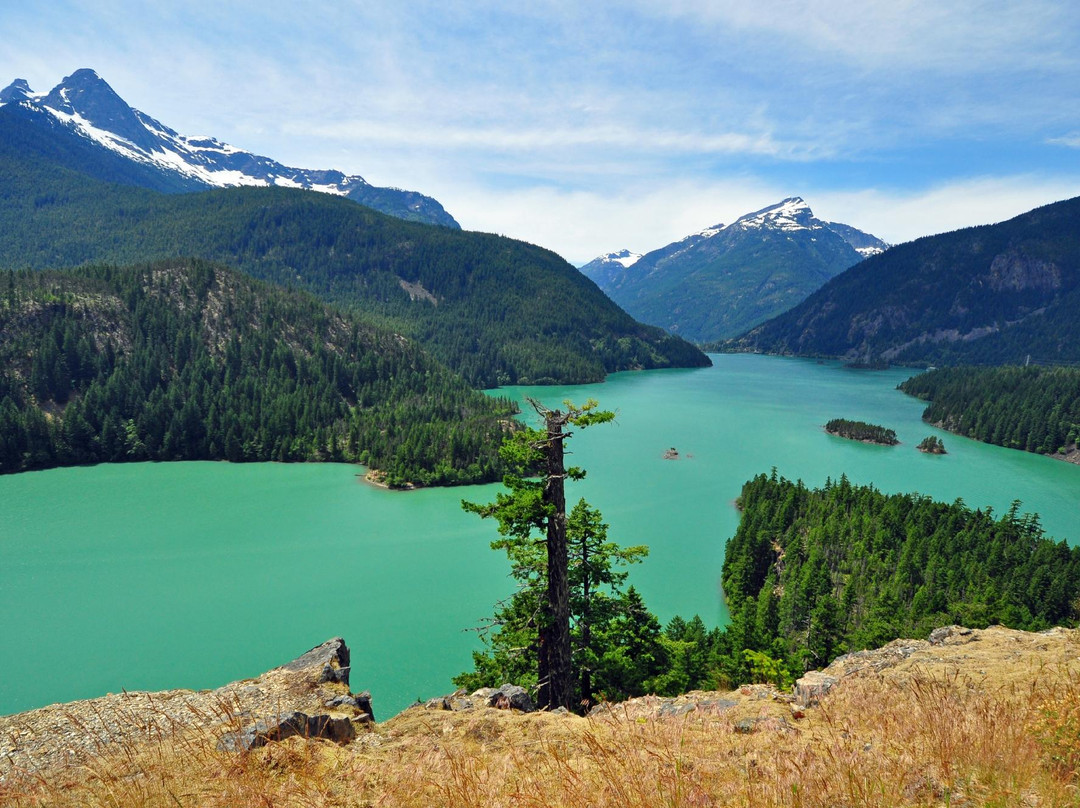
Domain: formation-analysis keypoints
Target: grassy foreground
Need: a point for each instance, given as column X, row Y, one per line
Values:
column 991, row 722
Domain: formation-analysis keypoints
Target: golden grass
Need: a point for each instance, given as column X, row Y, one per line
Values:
column 934, row 737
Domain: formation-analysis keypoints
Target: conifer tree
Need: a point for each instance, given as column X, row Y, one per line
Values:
column 540, row 504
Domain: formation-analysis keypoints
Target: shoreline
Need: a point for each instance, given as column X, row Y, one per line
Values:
column 375, row 479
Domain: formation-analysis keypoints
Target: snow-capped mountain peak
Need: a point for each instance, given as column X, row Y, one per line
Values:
column 86, row 104
column 18, row 90
column 708, row 232
column 789, row 214
column 623, row 258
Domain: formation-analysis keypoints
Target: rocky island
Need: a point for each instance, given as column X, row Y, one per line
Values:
column 931, row 445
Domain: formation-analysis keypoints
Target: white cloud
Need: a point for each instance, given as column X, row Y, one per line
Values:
column 906, row 215
column 603, row 136
column 580, row 225
column 1071, row 140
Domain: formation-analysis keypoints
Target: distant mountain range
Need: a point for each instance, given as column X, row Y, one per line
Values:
column 95, row 131
column 994, row 294
column 717, row 283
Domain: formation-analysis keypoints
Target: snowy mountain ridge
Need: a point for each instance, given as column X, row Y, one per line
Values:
column 85, row 104
column 726, row 278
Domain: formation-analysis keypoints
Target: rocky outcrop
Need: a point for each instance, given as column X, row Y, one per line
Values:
column 309, row 696
column 948, row 647
column 339, row 730
column 1014, row 271
column 810, row 689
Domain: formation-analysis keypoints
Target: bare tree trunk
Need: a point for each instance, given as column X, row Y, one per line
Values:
column 555, row 653
column 585, row 688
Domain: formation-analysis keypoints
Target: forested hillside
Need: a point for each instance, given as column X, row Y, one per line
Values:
column 191, row 361
column 498, row 311
column 1032, row 408
column 812, row 573
column 994, row 294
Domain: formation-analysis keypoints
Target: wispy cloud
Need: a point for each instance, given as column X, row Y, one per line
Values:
column 601, row 136
column 593, row 126
column 1072, row 140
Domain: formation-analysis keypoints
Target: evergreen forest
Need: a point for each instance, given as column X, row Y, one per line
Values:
column 814, row 573
column 187, row 360
column 496, row 310
column 1033, row 408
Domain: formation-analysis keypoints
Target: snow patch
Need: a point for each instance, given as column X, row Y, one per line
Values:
column 791, row 214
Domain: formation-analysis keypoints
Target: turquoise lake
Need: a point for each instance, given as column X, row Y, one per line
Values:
column 155, row 576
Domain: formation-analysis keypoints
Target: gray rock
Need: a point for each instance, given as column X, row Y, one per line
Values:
column 331, row 659
column 671, row 708
column 744, row 726
column 511, row 697
column 939, row 636
column 813, row 686
column 332, row 674
column 360, row 702
column 338, row 730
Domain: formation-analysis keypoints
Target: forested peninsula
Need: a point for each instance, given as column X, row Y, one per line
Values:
column 812, row 573
column 187, row 360
column 1033, row 408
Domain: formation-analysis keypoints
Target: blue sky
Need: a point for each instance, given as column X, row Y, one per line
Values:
column 593, row 126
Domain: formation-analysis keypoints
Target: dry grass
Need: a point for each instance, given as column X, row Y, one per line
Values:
column 926, row 736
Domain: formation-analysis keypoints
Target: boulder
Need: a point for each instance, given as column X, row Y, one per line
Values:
column 812, row 686
column 338, row 730
column 331, row 660
column 511, row 697
column 940, row 636
column 360, row 702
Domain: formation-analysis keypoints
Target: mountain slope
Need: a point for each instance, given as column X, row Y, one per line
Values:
column 190, row 361
column 496, row 310
column 991, row 294
column 88, row 122
column 719, row 282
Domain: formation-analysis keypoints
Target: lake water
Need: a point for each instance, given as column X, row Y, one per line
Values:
column 154, row 576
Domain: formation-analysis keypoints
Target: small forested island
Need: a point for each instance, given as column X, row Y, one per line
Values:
column 861, row 431
column 931, row 444
column 1036, row 409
